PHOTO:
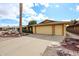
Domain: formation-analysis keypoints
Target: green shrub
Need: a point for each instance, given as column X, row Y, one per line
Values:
column 25, row 31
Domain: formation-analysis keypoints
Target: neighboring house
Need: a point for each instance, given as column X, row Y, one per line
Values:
column 50, row 27
column 8, row 28
column 74, row 28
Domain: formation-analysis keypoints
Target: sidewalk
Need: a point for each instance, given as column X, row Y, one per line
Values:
column 72, row 35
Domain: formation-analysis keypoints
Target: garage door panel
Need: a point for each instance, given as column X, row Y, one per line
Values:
column 44, row 30
column 58, row 29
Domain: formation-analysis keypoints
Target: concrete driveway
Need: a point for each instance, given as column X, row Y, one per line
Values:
column 47, row 37
column 51, row 49
column 23, row 46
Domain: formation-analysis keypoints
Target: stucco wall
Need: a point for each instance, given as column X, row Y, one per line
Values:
column 33, row 29
column 44, row 30
column 64, row 29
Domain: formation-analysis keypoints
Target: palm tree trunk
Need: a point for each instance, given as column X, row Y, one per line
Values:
column 20, row 23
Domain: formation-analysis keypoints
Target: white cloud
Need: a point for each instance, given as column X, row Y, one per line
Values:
column 69, row 19
column 65, row 20
column 8, row 10
column 33, row 15
column 77, row 19
column 77, row 8
column 45, row 4
column 11, row 10
column 42, row 16
column 28, row 4
column 4, row 25
column 28, row 10
column 39, row 17
column 36, row 4
column 43, row 10
column 39, row 1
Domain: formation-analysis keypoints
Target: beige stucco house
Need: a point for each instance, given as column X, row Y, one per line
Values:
column 50, row 27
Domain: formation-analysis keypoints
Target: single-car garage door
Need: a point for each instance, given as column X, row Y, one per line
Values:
column 44, row 29
column 58, row 30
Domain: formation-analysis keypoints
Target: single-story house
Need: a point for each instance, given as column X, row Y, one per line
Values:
column 74, row 28
column 50, row 27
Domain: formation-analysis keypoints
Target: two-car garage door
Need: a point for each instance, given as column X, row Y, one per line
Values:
column 44, row 30
column 50, row 30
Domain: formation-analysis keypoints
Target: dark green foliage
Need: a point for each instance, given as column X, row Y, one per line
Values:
column 24, row 29
column 74, row 21
column 32, row 22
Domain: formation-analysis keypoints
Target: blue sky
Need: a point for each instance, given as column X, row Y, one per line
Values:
column 9, row 12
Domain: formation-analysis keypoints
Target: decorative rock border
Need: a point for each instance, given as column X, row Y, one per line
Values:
column 9, row 34
column 70, row 45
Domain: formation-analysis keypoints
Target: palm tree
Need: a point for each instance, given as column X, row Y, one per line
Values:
column 20, row 23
